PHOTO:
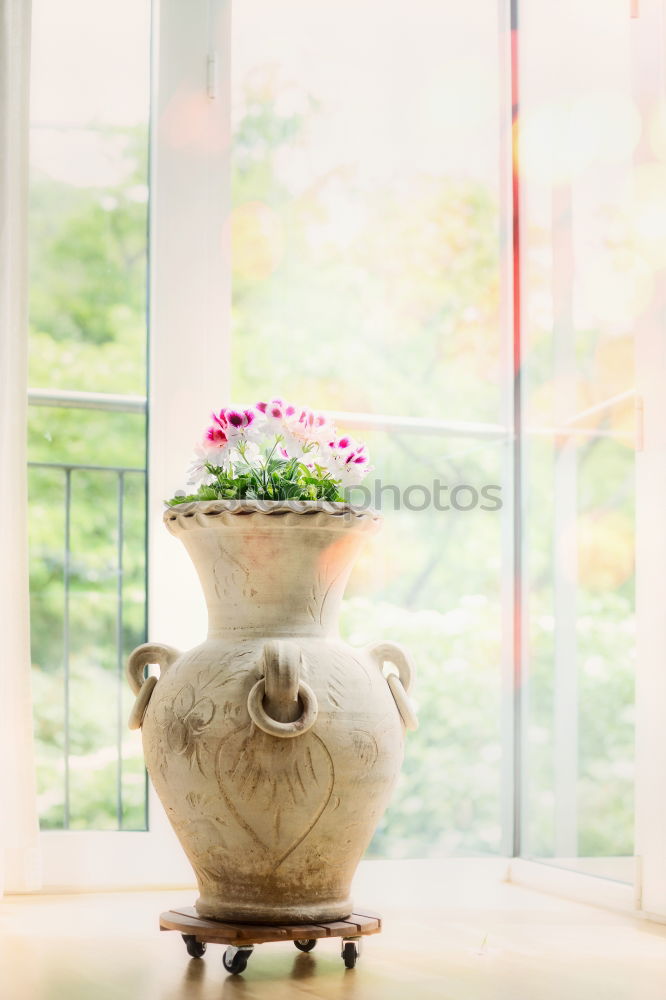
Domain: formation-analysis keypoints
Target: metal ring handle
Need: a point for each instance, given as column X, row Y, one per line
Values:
column 307, row 719
column 149, row 652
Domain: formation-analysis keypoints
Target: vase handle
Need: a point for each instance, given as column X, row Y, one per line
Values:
column 399, row 676
column 149, row 652
column 281, row 703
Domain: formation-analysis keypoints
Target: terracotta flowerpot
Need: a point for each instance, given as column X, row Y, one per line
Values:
column 273, row 745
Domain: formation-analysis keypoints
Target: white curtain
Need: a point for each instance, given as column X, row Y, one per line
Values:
column 19, row 833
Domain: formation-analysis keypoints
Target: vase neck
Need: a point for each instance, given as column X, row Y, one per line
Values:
column 269, row 579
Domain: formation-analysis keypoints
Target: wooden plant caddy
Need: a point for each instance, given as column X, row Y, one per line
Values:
column 242, row 938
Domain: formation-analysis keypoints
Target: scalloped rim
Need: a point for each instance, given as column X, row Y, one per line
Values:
column 182, row 515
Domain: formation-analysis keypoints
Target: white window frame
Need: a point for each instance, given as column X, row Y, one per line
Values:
column 650, row 355
column 646, row 896
column 189, row 296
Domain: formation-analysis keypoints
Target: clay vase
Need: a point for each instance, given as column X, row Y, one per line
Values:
column 273, row 745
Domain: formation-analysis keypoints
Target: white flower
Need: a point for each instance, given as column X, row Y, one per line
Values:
column 239, row 441
column 311, row 427
column 301, row 431
column 197, row 472
column 347, row 461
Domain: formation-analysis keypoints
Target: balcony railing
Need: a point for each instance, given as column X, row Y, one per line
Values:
column 58, row 801
column 110, row 402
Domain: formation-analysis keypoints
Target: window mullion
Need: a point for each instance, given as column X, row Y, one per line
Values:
column 189, row 288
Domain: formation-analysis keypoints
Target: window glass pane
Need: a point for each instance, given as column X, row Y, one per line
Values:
column 88, row 252
column 366, row 278
column 365, row 187
column 88, row 210
column 585, row 282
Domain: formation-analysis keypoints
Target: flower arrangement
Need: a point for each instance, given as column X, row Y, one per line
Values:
column 273, row 451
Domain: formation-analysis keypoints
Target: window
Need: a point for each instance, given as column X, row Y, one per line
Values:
column 87, row 428
column 585, row 283
column 330, row 220
column 367, row 277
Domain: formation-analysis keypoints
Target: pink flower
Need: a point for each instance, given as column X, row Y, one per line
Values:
column 232, row 427
column 274, row 408
column 238, row 439
column 347, row 460
column 310, row 426
column 238, row 419
column 278, row 418
column 216, row 436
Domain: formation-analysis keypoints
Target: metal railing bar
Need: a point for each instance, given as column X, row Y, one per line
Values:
column 369, row 421
column 366, row 421
column 72, row 466
column 568, row 431
column 603, row 406
column 423, row 425
column 65, row 631
column 119, row 647
column 138, row 404
column 73, row 399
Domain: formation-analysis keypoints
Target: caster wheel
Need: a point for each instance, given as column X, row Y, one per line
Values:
column 194, row 948
column 349, row 954
column 306, row 945
column 235, row 960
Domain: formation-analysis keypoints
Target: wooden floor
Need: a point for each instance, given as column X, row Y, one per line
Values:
column 445, row 937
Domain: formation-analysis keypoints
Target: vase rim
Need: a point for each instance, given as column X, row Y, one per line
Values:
column 283, row 513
